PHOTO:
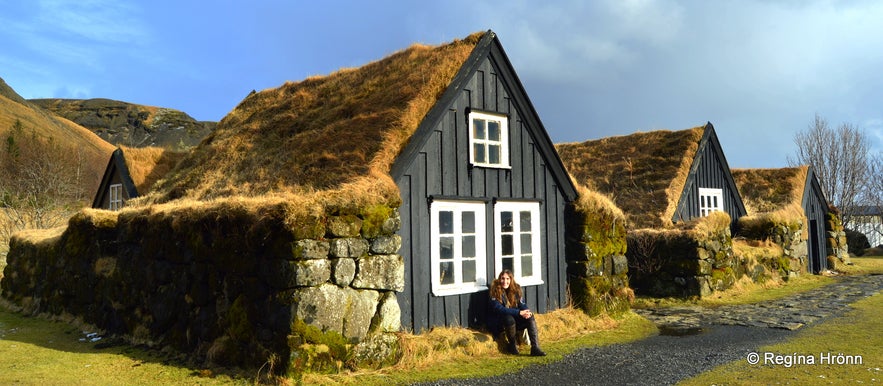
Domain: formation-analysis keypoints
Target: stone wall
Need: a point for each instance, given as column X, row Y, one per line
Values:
column 597, row 268
column 227, row 283
column 788, row 233
column 836, row 246
column 683, row 262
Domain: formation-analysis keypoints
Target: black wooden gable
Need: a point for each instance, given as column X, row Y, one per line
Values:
column 435, row 165
column 815, row 207
column 116, row 172
column 490, row 66
column 709, row 170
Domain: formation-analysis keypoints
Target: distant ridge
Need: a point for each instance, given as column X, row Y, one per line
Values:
column 128, row 124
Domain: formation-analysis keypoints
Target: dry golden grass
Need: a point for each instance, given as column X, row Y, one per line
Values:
column 714, row 223
column 590, row 201
column 322, row 133
column 644, row 173
column 48, row 125
column 769, row 190
column 444, row 347
column 147, row 165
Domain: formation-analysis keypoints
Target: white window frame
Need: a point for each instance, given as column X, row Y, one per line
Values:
column 458, row 286
column 115, row 197
column 710, row 200
column 536, row 233
column 487, row 143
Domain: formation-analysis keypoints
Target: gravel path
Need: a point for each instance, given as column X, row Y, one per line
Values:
column 665, row 359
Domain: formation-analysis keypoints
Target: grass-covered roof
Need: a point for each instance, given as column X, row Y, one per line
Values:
column 644, row 173
column 147, row 165
column 333, row 132
column 769, row 190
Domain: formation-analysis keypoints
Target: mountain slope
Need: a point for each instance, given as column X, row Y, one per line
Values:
column 128, row 124
column 93, row 150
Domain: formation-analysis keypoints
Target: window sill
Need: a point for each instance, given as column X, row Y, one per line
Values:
column 491, row 166
column 458, row 290
column 526, row 282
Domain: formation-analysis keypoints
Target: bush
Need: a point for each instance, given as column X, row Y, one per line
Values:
column 856, row 242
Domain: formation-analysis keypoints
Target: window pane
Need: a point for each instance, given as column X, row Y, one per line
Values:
column 446, row 222
column 527, row 265
column 701, row 201
column 525, row 221
column 468, row 222
column 478, row 153
column 469, row 271
column 478, row 131
column 446, row 248
column 446, row 272
column 508, row 264
column 506, row 245
column 505, row 221
column 493, row 130
column 714, row 205
column 468, row 246
column 526, row 243
column 493, row 154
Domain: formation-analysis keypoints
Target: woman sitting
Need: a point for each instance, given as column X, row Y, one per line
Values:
column 509, row 313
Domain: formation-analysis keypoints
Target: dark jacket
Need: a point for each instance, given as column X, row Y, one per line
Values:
column 499, row 310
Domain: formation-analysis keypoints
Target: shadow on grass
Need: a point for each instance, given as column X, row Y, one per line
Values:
column 34, row 348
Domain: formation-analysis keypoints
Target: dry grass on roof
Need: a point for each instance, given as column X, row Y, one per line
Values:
column 768, row 190
column 320, row 133
column 147, row 165
column 644, row 173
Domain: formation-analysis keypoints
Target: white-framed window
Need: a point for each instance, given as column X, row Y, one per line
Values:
column 457, row 254
column 710, row 200
column 517, row 237
column 116, row 197
column 488, row 140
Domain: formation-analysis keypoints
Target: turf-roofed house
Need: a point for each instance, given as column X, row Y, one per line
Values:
column 680, row 201
column 131, row 172
column 324, row 216
column 787, row 206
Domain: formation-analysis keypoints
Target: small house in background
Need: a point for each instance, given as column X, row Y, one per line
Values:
column 677, row 181
column 131, row 172
column 793, row 197
column 869, row 221
column 658, row 178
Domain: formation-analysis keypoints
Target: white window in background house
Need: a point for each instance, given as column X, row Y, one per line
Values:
column 710, row 200
column 116, row 197
column 488, row 140
column 457, row 253
column 517, row 240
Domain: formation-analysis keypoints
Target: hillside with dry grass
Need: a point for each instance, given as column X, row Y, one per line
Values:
column 336, row 132
column 644, row 173
column 45, row 124
column 133, row 125
column 49, row 166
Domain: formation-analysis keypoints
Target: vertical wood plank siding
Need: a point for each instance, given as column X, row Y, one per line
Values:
column 815, row 207
column 443, row 169
column 709, row 171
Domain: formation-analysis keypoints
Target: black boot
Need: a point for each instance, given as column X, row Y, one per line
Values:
column 511, row 345
column 534, row 342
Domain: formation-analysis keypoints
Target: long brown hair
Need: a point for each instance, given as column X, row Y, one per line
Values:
column 512, row 296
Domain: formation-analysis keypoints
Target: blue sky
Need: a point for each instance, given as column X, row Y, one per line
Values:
column 758, row 70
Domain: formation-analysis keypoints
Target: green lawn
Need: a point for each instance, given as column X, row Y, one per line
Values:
column 39, row 351
column 855, row 334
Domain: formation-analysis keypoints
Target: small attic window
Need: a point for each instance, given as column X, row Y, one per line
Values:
column 488, row 140
column 115, row 201
column 710, row 200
